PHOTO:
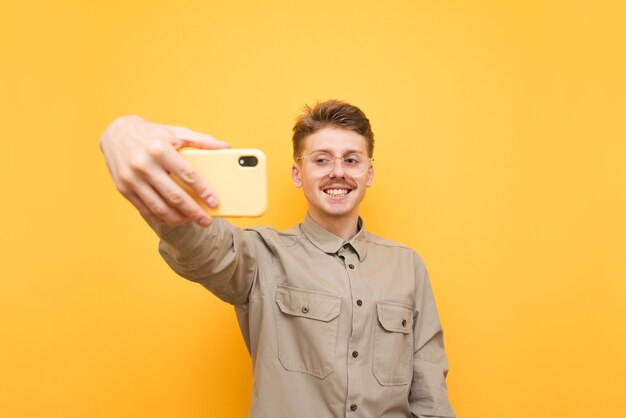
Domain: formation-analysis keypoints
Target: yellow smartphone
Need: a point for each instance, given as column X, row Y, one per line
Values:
column 238, row 177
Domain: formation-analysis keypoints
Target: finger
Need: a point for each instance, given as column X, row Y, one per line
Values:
column 143, row 209
column 158, row 208
column 176, row 197
column 179, row 167
column 126, row 181
column 197, row 139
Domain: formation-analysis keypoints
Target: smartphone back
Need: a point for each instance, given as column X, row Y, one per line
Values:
column 238, row 177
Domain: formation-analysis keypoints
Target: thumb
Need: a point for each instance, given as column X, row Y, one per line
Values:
column 197, row 139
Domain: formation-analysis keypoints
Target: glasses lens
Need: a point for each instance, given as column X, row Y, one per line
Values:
column 321, row 163
column 355, row 165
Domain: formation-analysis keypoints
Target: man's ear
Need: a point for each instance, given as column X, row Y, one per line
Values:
column 295, row 175
column 370, row 175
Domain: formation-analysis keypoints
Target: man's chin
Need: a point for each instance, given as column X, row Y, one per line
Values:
column 338, row 209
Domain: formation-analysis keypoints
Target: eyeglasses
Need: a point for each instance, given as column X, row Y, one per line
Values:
column 322, row 163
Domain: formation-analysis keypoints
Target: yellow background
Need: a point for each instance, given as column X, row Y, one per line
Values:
column 500, row 157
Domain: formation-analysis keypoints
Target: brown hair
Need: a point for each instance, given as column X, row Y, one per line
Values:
column 331, row 113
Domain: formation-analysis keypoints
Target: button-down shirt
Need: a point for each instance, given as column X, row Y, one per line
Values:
column 335, row 328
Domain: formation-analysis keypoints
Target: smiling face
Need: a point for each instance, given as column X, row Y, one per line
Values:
column 333, row 197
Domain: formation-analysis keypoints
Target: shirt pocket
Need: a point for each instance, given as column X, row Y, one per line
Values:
column 393, row 344
column 307, row 330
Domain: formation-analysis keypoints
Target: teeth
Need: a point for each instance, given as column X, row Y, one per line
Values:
column 337, row 192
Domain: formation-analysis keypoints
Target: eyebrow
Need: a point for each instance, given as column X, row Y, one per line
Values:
column 327, row 151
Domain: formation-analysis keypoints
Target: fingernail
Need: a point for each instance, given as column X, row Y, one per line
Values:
column 211, row 201
column 204, row 222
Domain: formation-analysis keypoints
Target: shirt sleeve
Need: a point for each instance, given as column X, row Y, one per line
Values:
column 429, row 392
column 221, row 258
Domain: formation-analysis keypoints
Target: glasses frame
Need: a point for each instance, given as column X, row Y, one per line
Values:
column 335, row 158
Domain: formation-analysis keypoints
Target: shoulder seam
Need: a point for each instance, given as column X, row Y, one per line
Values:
column 297, row 239
column 389, row 244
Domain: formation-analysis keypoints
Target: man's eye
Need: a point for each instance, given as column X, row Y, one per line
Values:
column 322, row 160
column 352, row 161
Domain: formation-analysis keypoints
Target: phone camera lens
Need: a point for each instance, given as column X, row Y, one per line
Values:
column 248, row 161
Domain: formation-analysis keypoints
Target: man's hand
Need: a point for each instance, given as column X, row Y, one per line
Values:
column 141, row 156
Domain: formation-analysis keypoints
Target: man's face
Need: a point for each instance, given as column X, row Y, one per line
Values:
column 334, row 195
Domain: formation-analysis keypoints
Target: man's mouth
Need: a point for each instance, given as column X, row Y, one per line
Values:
column 337, row 192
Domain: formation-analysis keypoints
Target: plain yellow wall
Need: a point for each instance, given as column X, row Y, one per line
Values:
column 500, row 157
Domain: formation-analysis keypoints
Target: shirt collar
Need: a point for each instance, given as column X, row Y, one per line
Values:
column 331, row 243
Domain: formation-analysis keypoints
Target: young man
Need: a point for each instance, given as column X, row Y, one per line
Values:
column 339, row 322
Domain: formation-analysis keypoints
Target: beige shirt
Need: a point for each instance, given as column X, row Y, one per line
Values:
column 334, row 328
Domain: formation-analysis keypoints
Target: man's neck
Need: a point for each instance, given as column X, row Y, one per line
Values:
column 345, row 227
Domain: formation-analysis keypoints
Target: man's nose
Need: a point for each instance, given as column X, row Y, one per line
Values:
column 337, row 170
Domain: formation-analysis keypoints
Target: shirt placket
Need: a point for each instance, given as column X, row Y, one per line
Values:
column 356, row 345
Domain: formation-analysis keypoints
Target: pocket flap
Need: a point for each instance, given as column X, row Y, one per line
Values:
column 395, row 317
column 308, row 303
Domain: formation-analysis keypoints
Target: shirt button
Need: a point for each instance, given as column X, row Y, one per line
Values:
column 346, row 246
column 404, row 322
column 353, row 407
column 305, row 309
column 359, row 302
column 355, row 354
column 351, row 266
